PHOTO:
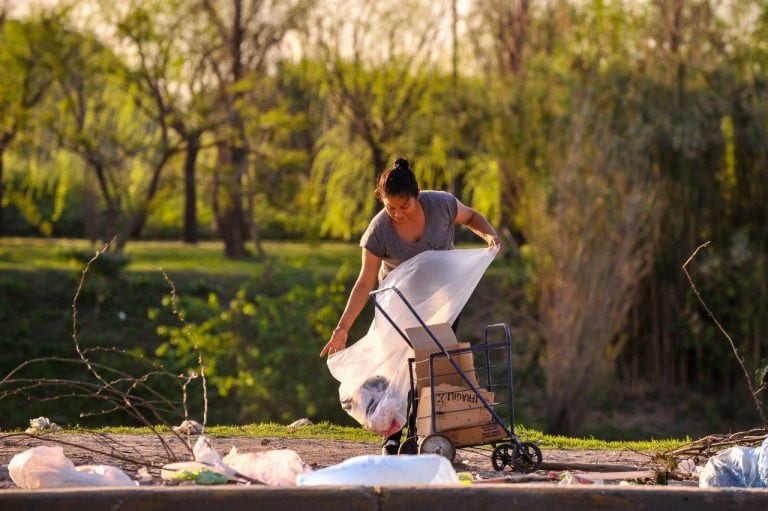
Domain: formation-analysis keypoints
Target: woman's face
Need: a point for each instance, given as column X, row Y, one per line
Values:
column 400, row 208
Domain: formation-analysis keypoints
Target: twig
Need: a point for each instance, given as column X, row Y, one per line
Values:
column 74, row 310
column 722, row 330
column 188, row 332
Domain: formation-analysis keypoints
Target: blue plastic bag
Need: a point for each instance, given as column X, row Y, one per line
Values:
column 741, row 467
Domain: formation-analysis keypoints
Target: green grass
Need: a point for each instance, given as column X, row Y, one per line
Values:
column 32, row 254
column 328, row 431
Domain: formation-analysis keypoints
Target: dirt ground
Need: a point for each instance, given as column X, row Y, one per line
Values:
column 129, row 452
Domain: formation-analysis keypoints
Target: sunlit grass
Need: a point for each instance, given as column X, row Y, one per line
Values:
column 328, row 431
column 31, row 254
column 175, row 257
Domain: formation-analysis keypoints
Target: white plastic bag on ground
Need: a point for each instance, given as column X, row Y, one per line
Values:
column 171, row 471
column 278, row 467
column 374, row 370
column 374, row 470
column 206, row 458
column 742, row 467
column 47, row 467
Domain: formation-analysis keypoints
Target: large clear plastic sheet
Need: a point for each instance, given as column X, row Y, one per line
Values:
column 740, row 467
column 374, row 370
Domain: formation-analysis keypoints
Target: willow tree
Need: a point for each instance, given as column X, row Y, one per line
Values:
column 240, row 40
column 380, row 59
column 155, row 40
column 26, row 78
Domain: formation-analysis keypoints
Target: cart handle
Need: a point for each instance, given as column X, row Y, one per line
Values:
column 373, row 294
column 505, row 326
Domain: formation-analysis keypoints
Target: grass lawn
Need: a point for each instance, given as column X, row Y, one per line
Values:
column 32, row 254
column 326, row 430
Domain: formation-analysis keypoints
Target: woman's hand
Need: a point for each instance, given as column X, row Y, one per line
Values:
column 494, row 242
column 337, row 343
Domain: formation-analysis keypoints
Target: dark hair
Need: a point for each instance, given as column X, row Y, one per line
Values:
column 398, row 180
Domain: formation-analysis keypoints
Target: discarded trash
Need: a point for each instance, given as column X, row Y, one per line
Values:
column 171, row 471
column 143, row 476
column 202, row 476
column 465, row 478
column 47, row 467
column 382, row 411
column 689, row 467
column 278, row 467
column 374, row 470
column 41, row 425
column 437, row 284
column 743, row 467
column 298, row 423
column 189, row 427
column 570, row 479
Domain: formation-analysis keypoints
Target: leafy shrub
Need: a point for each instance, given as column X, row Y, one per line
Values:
column 260, row 350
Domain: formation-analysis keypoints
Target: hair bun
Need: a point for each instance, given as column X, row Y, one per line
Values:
column 401, row 164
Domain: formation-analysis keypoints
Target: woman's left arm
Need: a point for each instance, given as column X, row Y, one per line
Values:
column 478, row 224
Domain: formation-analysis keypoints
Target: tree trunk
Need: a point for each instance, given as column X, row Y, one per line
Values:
column 189, row 234
column 379, row 163
column 2, row 191
column 228, row 205
column 235, row 239
column 232, row 225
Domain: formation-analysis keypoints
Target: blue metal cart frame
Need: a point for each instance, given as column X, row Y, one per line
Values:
column 511, row 452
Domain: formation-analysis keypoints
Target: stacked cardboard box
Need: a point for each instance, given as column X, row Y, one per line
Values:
column 458, row 411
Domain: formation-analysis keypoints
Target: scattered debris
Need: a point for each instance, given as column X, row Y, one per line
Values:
column 570, row 479
column 299, row 423
column 741, row 467
column 189, row 427
column 278, row 467
column 200, row 475
column 143, row 476
column 47, row 467
column 41, row 425
column 377, row 470
column 711, row 444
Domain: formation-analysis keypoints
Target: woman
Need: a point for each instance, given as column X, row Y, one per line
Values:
column 411, row 222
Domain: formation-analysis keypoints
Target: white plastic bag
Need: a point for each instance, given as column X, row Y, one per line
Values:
column 374, row 370
column 278, row 467
column 375, row 470
column 741, row 467
column 47, row 467
column 206, row 458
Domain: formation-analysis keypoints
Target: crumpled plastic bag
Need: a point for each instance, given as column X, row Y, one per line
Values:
column 206, row 458
column 47, row 467
column 278, row 467
column 437, row 284
column 41, row 425
column 375, row 470
column 741, row 467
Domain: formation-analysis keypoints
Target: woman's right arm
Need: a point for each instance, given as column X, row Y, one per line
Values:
column 358, row 297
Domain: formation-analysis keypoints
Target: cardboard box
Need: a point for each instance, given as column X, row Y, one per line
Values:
column 442, row 369
column 476, row 435
column 455, row 407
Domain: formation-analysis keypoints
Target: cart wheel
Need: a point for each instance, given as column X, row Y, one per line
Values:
column 502, row 457
column 526, row 457
column 437, row 444
column 410, row 446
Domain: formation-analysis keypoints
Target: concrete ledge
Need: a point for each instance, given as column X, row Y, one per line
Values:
column 191, row 498
column 538, row 497
column 530, row 497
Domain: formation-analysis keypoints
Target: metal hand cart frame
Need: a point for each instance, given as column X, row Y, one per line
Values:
column 508, row 451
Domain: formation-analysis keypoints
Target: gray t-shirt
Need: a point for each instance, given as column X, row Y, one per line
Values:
column 381, row 239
